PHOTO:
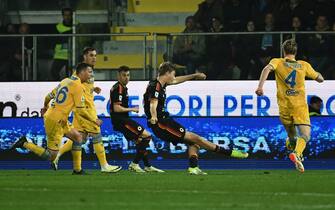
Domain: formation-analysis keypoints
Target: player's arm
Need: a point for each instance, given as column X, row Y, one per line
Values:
column 81, row 108
column 319, row 78
column 118, row 108
column 181, row 79
column 47, row 100
column 264, row 75
column 153, row 110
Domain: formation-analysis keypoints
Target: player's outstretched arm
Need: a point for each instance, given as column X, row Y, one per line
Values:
column 264, row 75
column 47, row 100
column 181, row 79
column 319, row 78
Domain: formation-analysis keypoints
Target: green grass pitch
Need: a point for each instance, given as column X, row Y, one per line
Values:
column 221, row 189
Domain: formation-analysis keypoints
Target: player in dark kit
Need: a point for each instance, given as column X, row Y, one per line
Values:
column 119, row 113
column 169, row 130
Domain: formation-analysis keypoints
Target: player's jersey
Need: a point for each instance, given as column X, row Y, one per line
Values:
column 68, row 95
column 119, row 95
column 155, row 91
column 290, row 80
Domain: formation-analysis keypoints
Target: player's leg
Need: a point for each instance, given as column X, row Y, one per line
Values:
column 62, row 150
column 292, row 136
column 193, row 138
column 142, row 145
column 100, row 152
column 303, row 138
column 301, row 120
column 194, row 169
column 22, row 142
column 76, row 151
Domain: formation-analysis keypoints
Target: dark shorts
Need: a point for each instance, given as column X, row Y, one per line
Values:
column 128, row 127
column 168, row 130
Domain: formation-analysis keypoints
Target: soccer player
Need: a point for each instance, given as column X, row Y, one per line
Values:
column 87, row 128
column 293, row 110
column 168, row 129
column 119, row 113
column 69, row 96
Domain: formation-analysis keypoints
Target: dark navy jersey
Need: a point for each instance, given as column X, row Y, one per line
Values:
column 155, row 90
column 119, row 95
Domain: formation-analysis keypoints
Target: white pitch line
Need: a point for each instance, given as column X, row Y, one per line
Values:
column 173, row 191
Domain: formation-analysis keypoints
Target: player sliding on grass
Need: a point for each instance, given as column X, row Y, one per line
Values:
column 293, row 109
column 169, row 130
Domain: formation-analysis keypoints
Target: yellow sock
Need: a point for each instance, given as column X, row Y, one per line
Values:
column 65, row 148
column 300, row 146
column 76, row 159
column 99, row 150
column 34, row 148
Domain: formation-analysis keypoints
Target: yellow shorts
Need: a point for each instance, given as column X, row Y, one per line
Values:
column 83, row 125
column 294, row 116
column 55, row 130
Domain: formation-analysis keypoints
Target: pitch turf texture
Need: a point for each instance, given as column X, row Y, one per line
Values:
column 224, row 189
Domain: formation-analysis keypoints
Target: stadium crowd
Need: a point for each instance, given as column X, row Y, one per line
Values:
column 237, row 56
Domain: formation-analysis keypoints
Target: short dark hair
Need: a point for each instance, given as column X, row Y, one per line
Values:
column 81, row 67
column 67, row 9
column 88, row 49
column 290, row 47
column 123, row 68
column 166, row 67
column 315, row 99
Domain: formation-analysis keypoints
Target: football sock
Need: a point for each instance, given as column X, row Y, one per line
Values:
column 99, row 150
column 138, row 157
column 193, row 161
column 222, row 150
column 145, row 159
column 65, row 148
column 40, row 151
column 76, row 156
column 300, row 146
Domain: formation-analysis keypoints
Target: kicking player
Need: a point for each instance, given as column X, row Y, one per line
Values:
column 119, row 113
column 169, row 130
column 69, row 96
column 87, row 128
column 291, row 97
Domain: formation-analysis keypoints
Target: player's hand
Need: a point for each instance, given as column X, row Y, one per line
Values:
column 259, row 91
column 98, row 122
column 135, row 109
column 97, row 90
column 43, row 111
column 200, row 76
column 153, row 120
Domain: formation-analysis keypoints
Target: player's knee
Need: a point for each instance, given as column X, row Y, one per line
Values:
column 305, row 137
column 96, row 138
column 76, row 146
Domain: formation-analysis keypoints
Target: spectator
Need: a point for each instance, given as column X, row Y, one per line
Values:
column 247, row 50
column 258, row 9
column 270, row 42
column 236, row 15
column 296, row 25
column 13, row 66
column 218, row 52
column 206, row 11
column 318, row 45
column 314, row 106
column 189, row 50
column 61, row 51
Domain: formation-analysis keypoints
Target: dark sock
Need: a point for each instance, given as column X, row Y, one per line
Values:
column 193, row 161
column 221, row 150
column 138, row 157
column 145, row 159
